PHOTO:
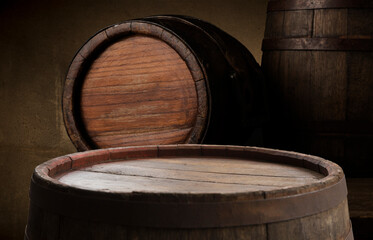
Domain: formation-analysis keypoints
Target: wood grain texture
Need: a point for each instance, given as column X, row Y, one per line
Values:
column 138, row 85
column 189, row 175
column 319, row 93
column 331, row 224
column 183, row 192
column 131, row 79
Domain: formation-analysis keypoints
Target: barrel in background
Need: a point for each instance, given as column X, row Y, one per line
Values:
column 188, row 192
column 318, row 59
column 162, row 80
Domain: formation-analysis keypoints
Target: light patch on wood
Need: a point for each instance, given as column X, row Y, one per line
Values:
column 189, row 175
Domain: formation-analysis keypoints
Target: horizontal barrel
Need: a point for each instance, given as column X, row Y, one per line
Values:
column 162, row 80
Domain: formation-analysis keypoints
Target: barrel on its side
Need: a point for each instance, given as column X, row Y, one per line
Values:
column 318, row 58
column 188, row 192
column 162, row 80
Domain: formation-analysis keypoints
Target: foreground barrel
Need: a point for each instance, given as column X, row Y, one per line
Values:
column 318, row 57
column 162, row 80
column 188, row 192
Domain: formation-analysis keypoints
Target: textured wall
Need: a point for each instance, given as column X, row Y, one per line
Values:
column 38, row 41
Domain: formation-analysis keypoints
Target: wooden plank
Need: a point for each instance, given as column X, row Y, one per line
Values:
column 298, row 23
column 360, row 23
column 189, row 174
column 274, row 24
column 330, row 23
column 295, row 84
column 331, row 224
column 360, row 86
column 127, row 184
column 223, row 165
column 253, row 178
column 329, row 79
column 84, row 229
column 51, row 226
column 116, row 139
column 164, row 105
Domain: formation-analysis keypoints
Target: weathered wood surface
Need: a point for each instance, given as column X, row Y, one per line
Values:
column 162, row 80
column 189, row 175
column 138, row 91
column 321, row 88
column 188, row 192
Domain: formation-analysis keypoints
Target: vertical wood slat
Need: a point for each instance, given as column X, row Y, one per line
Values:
column 330, row 23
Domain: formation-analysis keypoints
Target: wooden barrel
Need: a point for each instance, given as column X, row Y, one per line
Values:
column 162, row 80
column 188, row 192
column 318, row 58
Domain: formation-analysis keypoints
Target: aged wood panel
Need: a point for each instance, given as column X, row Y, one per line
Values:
column 329, row 86
column 161, row 177
column 220, row 165
column 274, row 24
column 331, row 224
column 298, row 23
column 359, row 74
column 330, row 23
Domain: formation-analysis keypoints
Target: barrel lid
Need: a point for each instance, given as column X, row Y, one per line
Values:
column 205, row 185
column 134, row 83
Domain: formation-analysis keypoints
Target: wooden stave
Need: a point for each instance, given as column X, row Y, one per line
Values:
column 333, row 175
column 351, row 135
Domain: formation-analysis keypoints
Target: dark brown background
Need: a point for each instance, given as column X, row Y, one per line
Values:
column 38, row 41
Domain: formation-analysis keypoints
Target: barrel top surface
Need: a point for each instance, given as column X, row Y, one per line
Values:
column 181, row 175
column 205, row 185
column 135, row 83
column 190, row 169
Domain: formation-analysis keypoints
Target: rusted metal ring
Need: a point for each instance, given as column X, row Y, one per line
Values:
column 187, row 214
column 318, row 44
column 284, row 5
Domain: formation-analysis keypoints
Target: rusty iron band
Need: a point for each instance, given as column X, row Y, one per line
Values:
column 318, row 44
column 284, row 5
column 187, row 214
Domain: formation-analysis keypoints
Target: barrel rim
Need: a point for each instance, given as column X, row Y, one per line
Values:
column 45, row 172
column 196, row 210
column 104, row 38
